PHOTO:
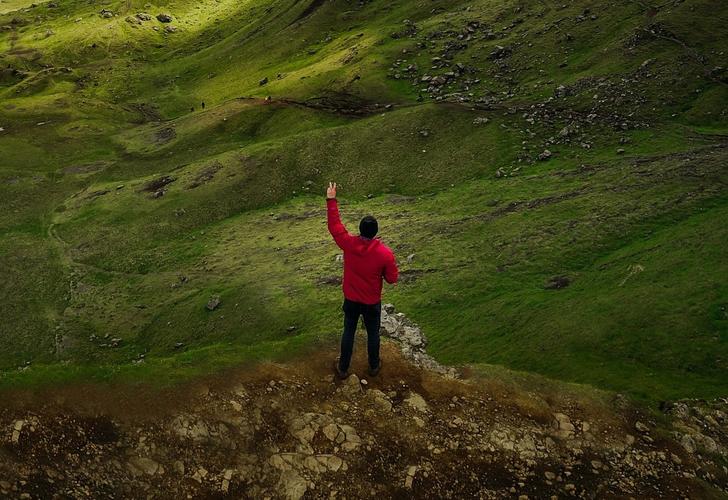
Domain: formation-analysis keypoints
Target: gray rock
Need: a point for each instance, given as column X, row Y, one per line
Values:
column 380, row 400
column 545, row 155
column 164, row 18
column 416, row 402
column 500, row 52
column 641, row 427
column 351, row 386
column 144, row 465
column 557, row 283
column 17, row 429
column 563, row 425
column 213, row 303
column 292, row 485
column 411, row 340
column 688, row 443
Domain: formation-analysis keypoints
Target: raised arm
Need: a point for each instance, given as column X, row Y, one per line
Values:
column 336, row 228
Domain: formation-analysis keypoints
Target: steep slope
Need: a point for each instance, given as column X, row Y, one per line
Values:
column 557, row 174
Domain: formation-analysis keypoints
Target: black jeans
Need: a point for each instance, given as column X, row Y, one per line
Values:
column 372, row 318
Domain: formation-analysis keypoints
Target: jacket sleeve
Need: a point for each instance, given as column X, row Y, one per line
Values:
column 336, row 228
column 391, row 273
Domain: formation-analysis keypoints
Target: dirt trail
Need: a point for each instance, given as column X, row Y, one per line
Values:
column 291, row 431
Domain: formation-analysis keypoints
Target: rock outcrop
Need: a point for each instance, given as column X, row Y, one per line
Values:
column 292, row 431
column 411, row 341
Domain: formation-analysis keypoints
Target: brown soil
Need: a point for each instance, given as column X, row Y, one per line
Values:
column 291, row 431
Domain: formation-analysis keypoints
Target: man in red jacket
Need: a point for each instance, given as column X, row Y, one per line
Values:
column 366, row 261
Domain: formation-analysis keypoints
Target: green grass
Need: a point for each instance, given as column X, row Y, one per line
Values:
column 85, row 251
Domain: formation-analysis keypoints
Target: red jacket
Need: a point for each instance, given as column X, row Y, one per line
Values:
column 366, row 261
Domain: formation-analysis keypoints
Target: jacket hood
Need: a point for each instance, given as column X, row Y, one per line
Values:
column 366, row 244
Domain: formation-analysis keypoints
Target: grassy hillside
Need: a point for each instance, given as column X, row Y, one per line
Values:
column 557, row 173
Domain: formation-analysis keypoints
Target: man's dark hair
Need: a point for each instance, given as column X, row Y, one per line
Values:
column 368, row 227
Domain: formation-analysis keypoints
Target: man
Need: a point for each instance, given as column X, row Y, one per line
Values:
column 366, row 261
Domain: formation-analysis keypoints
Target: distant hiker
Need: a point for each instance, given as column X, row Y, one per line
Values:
column 366, row 261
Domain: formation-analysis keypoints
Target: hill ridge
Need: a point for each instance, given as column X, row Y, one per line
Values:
column 291, row 431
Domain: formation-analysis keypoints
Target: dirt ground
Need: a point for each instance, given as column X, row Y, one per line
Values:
column 292, row 431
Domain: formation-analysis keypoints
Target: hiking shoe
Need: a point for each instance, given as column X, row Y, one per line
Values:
column 337, row 371
column 373, row 372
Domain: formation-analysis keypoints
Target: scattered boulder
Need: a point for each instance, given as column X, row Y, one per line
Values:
column 380, row 400
column 545, row 155
column 557, row 283
column 564, row 427
column 416, row 402
column 158, row 187
column 165, row 134
column 213, row 303
column 351, row 385
column 292, row 485
column 409, row 478
column 500, row 52
column 144, row 465
column 17, row 429
column 164, row 18
column 641, row 427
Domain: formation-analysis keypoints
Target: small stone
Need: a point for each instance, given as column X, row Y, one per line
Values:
column 417, row 402
column 331, row 431
column 563, row 425
column 557, row 283
column 641, row 427
column 411, row 471
column 146, row 466
column 688, row 443
column 179, row 467
column 213, row 303
column 545, row 155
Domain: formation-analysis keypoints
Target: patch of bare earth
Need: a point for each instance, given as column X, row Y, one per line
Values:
column 292, row 431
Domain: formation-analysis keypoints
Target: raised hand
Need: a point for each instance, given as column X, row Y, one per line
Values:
column 331, row 191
